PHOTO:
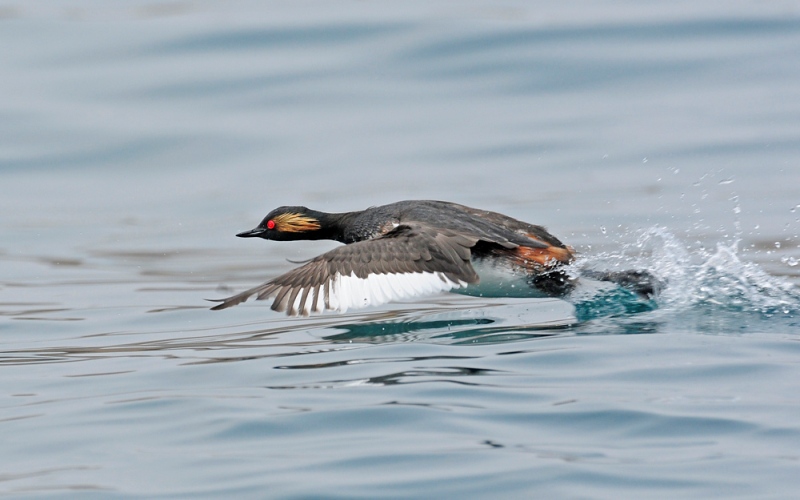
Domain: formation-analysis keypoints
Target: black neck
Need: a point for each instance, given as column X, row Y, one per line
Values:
column 331, row 226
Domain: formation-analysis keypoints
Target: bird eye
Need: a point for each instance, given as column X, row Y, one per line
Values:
column 270, row 224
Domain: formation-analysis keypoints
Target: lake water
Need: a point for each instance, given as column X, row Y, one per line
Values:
column 137, row 138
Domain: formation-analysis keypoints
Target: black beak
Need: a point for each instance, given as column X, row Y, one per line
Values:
column 252, row 233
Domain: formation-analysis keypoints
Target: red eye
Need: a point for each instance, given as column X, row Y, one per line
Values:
column 271, row 224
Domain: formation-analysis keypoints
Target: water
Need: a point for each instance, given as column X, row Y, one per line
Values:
column 137, row 139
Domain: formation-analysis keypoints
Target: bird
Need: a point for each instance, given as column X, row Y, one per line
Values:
column 406, row 249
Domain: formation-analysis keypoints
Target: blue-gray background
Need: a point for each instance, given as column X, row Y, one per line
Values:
column 137, row 137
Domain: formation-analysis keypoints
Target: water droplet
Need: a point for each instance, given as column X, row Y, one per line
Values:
column 790, row 261
column 737, row 210
column 777, row 244
column 726, row 181
column 603, row 229
column 794, row 208
column 644, row 160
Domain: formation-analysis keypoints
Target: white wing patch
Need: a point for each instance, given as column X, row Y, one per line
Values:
column 341, row 293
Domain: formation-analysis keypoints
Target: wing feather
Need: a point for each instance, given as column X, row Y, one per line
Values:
column 412, row 259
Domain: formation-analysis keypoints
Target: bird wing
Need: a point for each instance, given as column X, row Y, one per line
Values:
column 411, row 259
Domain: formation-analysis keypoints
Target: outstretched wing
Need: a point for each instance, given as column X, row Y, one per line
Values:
column 411, row 259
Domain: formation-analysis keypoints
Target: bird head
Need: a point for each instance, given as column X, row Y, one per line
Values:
column 287, row 223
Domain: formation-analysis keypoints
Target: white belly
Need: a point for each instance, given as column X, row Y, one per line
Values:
column 499, row 280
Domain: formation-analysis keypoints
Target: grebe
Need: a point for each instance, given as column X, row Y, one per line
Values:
column 406, row 249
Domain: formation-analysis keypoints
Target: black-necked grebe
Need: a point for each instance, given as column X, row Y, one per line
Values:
column 405, row 249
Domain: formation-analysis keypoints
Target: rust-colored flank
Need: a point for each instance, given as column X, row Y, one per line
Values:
column 544, row 257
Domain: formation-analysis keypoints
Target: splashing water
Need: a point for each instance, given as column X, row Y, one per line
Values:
column 697, row 280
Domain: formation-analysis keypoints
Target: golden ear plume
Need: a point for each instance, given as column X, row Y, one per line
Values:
column 295, row 223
